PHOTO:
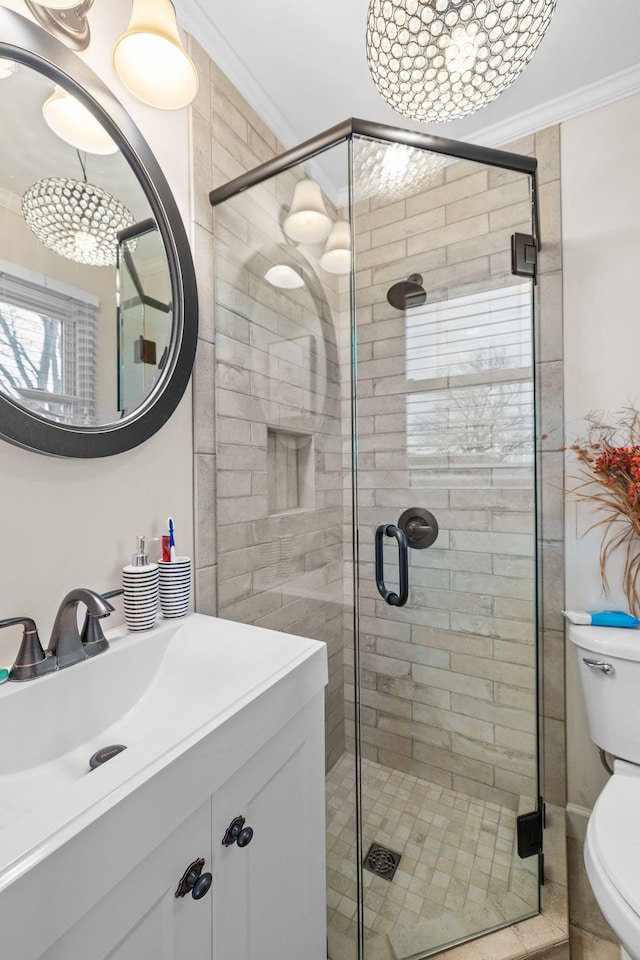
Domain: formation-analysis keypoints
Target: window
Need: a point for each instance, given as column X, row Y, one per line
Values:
column 47, row 345
column 469, row 375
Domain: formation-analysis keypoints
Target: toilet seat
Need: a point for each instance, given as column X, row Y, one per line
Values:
column 612, row 854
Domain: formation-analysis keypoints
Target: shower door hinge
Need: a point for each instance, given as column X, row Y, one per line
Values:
column 524, row 255
column 529, row 830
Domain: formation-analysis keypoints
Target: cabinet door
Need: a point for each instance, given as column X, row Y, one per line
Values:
column 269, row 896
column 141, row 918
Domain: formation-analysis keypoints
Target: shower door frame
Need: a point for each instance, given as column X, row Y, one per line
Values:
column 489, row 156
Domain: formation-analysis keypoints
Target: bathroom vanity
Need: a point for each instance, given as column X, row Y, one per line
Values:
column 220, row 721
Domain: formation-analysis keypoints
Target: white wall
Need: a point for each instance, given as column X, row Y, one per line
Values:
column 69, row 523
column 601, row 246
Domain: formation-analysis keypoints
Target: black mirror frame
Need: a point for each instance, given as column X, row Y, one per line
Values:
column 24, row 42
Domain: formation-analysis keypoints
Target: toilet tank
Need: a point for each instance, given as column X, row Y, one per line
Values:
column 609, row 667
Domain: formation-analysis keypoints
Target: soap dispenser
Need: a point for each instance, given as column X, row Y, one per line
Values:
column 140, row 582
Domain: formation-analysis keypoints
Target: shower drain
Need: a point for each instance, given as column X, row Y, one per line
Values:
column 381, row 861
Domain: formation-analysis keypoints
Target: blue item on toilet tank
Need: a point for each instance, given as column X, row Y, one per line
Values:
column 612, row 618
column 602, row 618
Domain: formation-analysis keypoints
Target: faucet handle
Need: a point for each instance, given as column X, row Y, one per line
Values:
column 31, row 661
column 93, row 639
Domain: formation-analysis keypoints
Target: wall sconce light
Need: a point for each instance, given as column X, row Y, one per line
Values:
column 283, row 276
column 337, row 253
column 436, row 60
column 72, row 122
column 308, row 220
column 65, row 19
column 150, row 59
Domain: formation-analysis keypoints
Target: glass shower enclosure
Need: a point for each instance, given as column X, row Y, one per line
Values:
column 376, row 489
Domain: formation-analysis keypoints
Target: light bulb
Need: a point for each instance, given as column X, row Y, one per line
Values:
column 72, row 122
column 461, row 50
column 283, row 276
column 308, row 220
column 337, row 255
column 150, row 60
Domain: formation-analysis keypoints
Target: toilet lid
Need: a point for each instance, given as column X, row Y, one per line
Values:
column 615, row 836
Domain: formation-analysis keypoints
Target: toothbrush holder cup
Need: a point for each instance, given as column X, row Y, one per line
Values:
column 175, row 587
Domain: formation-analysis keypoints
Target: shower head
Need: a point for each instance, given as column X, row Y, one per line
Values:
column 407, row 293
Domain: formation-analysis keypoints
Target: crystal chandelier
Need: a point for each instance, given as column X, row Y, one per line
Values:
column 76, row 219
column 439, row 60
column 390, row 171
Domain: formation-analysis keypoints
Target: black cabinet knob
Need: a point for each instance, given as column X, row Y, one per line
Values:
column 237, row 833
column 201, row 886
column 194, row 881
column 245, row 837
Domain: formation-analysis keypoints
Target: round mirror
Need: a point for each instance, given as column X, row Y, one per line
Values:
column 98, row 304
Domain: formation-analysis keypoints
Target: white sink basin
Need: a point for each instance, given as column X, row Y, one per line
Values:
column 155, row 692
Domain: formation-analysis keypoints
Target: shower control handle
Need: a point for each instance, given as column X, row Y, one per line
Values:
column 393, row 599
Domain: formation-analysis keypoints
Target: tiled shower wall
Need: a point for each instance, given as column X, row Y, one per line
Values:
column 448, row 682
column 267, row 403
column 228, row 139
column 279, row 466
column 445, row 680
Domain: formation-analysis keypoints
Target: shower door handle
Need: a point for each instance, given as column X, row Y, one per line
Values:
column 394, row 599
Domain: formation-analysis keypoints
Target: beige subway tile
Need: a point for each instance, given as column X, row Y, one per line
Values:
column 517, row 718
column 415, row 767
column 489, row 200
column 517, row 783
column 205, row 510
column 515, row 609
column 509, row 673
column 232, row 590
column 450, row 641
column 206, row 591
column 237, row 509
column 423, row 732
column 407, row 690
column 453, row 681
column 453, row 762
column 511, row 651
column 204, row 398
column 470, row 182
column 497, row 586
column 453, row 722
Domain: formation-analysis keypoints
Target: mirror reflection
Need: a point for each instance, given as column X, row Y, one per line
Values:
column 85, row 289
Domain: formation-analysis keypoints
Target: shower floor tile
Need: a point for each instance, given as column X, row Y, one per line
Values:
column 459, row 871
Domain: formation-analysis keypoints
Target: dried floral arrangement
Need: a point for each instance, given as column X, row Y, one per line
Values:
column 609, row 455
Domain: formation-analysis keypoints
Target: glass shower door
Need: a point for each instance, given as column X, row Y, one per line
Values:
column 446, row 653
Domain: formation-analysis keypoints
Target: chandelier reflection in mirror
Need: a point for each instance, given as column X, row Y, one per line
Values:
column 76, row 219
column 440, row 60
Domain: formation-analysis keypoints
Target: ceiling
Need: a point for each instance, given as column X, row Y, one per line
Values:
column 302, row 66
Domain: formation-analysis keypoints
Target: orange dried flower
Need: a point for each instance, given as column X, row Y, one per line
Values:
column 610, row 481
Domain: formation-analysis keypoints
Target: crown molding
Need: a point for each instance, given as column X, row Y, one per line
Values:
column 617, row 86
column 194, row 18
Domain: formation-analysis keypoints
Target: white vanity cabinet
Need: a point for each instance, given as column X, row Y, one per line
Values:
column 267, row 894
column 140, row 917
column 103, row 887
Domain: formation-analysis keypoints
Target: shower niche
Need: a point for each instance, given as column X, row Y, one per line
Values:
column 415, row 385
column 290, row 471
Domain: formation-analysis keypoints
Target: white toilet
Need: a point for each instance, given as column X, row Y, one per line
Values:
column 609, row 665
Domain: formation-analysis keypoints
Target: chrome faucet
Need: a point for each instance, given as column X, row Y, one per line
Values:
column 66, row 643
